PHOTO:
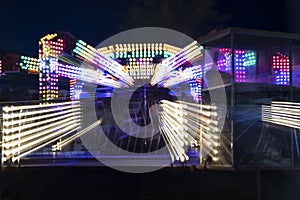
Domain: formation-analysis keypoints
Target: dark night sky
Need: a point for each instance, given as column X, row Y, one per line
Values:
column 22, row 23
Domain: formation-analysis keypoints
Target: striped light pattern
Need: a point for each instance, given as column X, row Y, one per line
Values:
column 48, row 79
column 31, row 127
column 282, row 113
column 77, row 90
column 91, row 56
column 87, row 73
column 29, row 64
column 139, row 58
column 164, row 69
column 240, row 69
column 186, row 124
column 142, row 50
column 140, row 68
column 196, row 89
column 50, row 45
column 68, row 71
column 224, row 64
column 243, row 60
column 250, row 58
column 0, row 66
column 91, row 75
column 61, row 143
column 189, row 74
column 72, row 89
column 192, row 75
column 139, row 50
column 281, row 67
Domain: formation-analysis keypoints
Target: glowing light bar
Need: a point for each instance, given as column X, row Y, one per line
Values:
column 187, row 75
column 108, row 51
column 48, row 37
column 92, row 57
column 240, row 69
column 50, row 45
column 139, row 58
column 85, row 73
column 29, row 64
column 244, row 59
column 0, row 66
column 90, row 75
column 72, row 89
column 140, row 68
column 60, row 144
column 193, row 75
column 29, row 128
column 282, row 113
column 224, row 64
column 281, row 67
column 48, row 78
column 68, row 71
column 187, row 54
column 196, row 89
column 250, row 58
column 186, row 124
column 139, row 50
column 170, row 50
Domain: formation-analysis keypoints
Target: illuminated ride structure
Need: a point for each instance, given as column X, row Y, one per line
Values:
column 58, row 119
column 256, row 67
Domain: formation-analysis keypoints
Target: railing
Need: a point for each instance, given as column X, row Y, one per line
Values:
column 28, row 128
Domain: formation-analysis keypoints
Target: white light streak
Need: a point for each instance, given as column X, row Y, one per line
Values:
column 66, row 141
column 28, row 128
column 164, row 70
column 185, row 124
column 282, row 113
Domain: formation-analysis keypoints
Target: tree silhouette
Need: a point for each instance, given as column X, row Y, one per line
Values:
column 191, row 17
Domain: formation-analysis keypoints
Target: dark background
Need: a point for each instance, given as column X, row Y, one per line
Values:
column 22, row 23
